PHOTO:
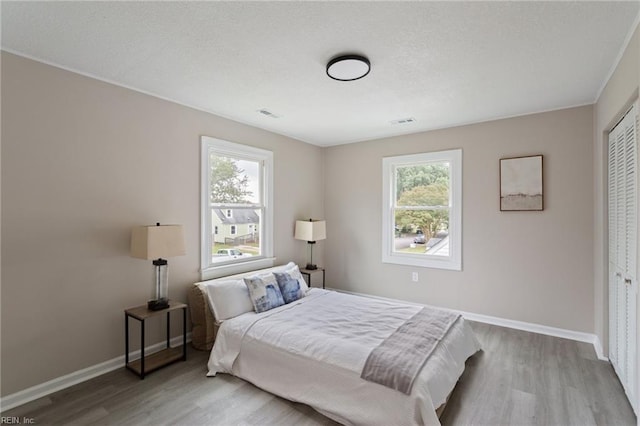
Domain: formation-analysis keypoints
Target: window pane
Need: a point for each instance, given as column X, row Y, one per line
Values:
column 236, row 193
column 234, row 181
column 422, row 210
column 422, row 232
column 237, row 236
column 423, row 185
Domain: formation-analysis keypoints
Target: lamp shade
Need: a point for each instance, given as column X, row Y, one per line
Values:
column 157, row 241
column 310, row 230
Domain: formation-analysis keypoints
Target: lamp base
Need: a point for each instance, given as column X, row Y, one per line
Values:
column 311, row 267
column 157, row 305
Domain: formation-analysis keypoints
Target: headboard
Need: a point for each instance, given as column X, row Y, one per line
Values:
column 204, row 325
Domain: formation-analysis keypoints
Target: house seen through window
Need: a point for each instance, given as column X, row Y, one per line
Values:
column 235, row 181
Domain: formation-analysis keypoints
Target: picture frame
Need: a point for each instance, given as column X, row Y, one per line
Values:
column 521, row 183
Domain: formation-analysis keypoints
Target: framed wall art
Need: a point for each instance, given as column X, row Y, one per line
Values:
column 521, row 184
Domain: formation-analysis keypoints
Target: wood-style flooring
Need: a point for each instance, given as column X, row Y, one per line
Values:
column 518, row 378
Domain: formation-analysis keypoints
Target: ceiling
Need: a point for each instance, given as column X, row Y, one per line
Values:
column 441, row 63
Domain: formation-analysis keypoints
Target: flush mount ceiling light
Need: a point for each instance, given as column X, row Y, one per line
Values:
column 348, row 67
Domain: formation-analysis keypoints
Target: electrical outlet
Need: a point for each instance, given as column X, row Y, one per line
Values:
column 414, row 277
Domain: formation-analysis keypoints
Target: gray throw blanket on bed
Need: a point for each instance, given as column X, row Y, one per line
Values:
column 395, row 363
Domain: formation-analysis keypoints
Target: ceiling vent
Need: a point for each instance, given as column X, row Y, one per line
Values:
column 404, row 121
column 268, row 113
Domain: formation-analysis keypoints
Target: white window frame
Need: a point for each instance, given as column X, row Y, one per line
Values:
column 234, row 230
column 208, row 269
column 389, row 166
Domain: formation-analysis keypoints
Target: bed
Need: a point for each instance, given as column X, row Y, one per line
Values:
column 318, row 350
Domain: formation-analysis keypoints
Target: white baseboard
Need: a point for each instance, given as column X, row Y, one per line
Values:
column 518, row 325
column 30, row 394
column 540, row 329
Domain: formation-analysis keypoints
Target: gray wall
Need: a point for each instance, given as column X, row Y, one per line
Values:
column 82, row 162
column 527, row 266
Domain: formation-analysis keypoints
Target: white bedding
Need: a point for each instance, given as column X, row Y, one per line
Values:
column 313, row 350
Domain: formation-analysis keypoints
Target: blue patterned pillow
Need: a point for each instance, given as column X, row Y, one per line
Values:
column 264, row 292
column 289, row 287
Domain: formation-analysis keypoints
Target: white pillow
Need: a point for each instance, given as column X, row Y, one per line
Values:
column 228, row 298
column 293, row 270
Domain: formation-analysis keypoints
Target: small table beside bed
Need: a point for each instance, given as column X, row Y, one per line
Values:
column 356, row 360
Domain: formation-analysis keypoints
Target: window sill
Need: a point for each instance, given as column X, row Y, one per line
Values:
column 236, row 268
column 433, row 262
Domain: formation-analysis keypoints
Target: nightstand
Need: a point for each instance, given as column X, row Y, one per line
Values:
column 310, row 272
column 149, row 363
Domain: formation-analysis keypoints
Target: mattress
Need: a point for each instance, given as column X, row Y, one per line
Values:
column 313, row 350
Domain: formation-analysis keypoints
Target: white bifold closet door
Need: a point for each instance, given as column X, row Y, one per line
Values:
column 623, row 241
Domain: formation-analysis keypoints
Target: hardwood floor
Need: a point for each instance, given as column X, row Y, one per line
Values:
column 523, row 378
column 519, row 378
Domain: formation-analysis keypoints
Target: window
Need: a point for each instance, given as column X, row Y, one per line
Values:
column 237, row 221
column 422, row 210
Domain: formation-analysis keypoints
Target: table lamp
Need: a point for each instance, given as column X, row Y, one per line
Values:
column 310, row 231
column 158, row 242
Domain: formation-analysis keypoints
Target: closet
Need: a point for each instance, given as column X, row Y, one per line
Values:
column 623, row 241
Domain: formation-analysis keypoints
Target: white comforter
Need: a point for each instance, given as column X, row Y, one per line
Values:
column 313, row 350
